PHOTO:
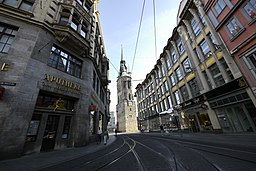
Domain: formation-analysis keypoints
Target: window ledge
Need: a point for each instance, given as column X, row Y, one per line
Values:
column 252, row 21
column 237, row 34
column 14, row 10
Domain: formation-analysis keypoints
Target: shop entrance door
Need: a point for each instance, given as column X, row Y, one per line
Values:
column 193, row 123
column 50, row 133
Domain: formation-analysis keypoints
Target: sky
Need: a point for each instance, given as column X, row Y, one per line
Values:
column 120, row 20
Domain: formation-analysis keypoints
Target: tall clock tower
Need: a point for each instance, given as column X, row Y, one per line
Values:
column 126, row 107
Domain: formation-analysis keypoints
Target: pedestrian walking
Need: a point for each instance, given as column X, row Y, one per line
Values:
column 162, row 129
column 115, row 132
column 105, row 136
column 99, row 133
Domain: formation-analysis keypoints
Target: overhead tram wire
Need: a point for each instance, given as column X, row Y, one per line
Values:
column 154, row 9
column 113, row 66
column 138, row 35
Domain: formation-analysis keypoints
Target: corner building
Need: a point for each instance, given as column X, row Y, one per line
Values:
column 54, row 75
column 195, row 85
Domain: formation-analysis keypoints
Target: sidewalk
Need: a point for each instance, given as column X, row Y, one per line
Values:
column 40, row 160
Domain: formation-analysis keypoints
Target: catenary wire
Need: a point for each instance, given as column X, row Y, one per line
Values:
column 154, row 10
column 138, row 35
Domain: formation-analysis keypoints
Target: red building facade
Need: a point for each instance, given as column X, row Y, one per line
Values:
column 235, row 22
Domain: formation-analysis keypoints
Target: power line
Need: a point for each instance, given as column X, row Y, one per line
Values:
column 154, row 9
column 138, row 35
column 113, row 66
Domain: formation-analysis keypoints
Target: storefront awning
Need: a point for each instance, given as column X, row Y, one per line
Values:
column 168, row 111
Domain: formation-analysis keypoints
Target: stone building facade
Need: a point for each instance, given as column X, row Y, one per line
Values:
column 54, row 75
column 195, row 85
column 126, row 107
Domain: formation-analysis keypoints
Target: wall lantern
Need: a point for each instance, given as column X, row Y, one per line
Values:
column 92, row 109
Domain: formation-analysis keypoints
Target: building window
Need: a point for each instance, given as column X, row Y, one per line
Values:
column 172, row 79
column 234, row 27
column 187, row 66
column 178, row 74
column 216, row 75
column 214, row 42
column 168, row 62
column 197, row 55
column 194, row 87
column 162, row 105
column 166, row 86
column 219, row 6
column 163, row 72
column 162, row 89
column 33, row 128
column 184, row 93
column 225, row 66
column 65, row 62
column 204, row 47
column 83, row 31
column 26, row 5
column 202, row 19
column 80, row 1
column 75, row 22
column 46, row 100
column 207, row 80
column 177, row 97
column 180, row 45
column 66, row 127
column 195, row 26
column 169, row 100
column 250, row 61
column 173, row 55
column 7, row 34
column 250, row 9
column 10, row 2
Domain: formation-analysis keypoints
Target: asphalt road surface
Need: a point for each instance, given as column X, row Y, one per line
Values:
column 156, row 152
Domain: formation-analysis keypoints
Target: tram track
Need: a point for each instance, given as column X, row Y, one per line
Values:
column 224, row 152
column 144, row 153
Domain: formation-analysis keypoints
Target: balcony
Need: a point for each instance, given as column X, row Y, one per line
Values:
column 66, row 35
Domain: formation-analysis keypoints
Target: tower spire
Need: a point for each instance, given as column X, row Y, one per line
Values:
column 123, row 68
column 122, row 57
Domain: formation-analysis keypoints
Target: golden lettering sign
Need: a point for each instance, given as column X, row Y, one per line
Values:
column 59, row 84
column 5, row 67
column 62, row 82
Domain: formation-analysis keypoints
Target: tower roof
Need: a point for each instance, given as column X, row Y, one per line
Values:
column 123, row 67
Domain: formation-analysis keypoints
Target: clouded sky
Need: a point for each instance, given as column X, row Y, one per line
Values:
column 120, row 21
